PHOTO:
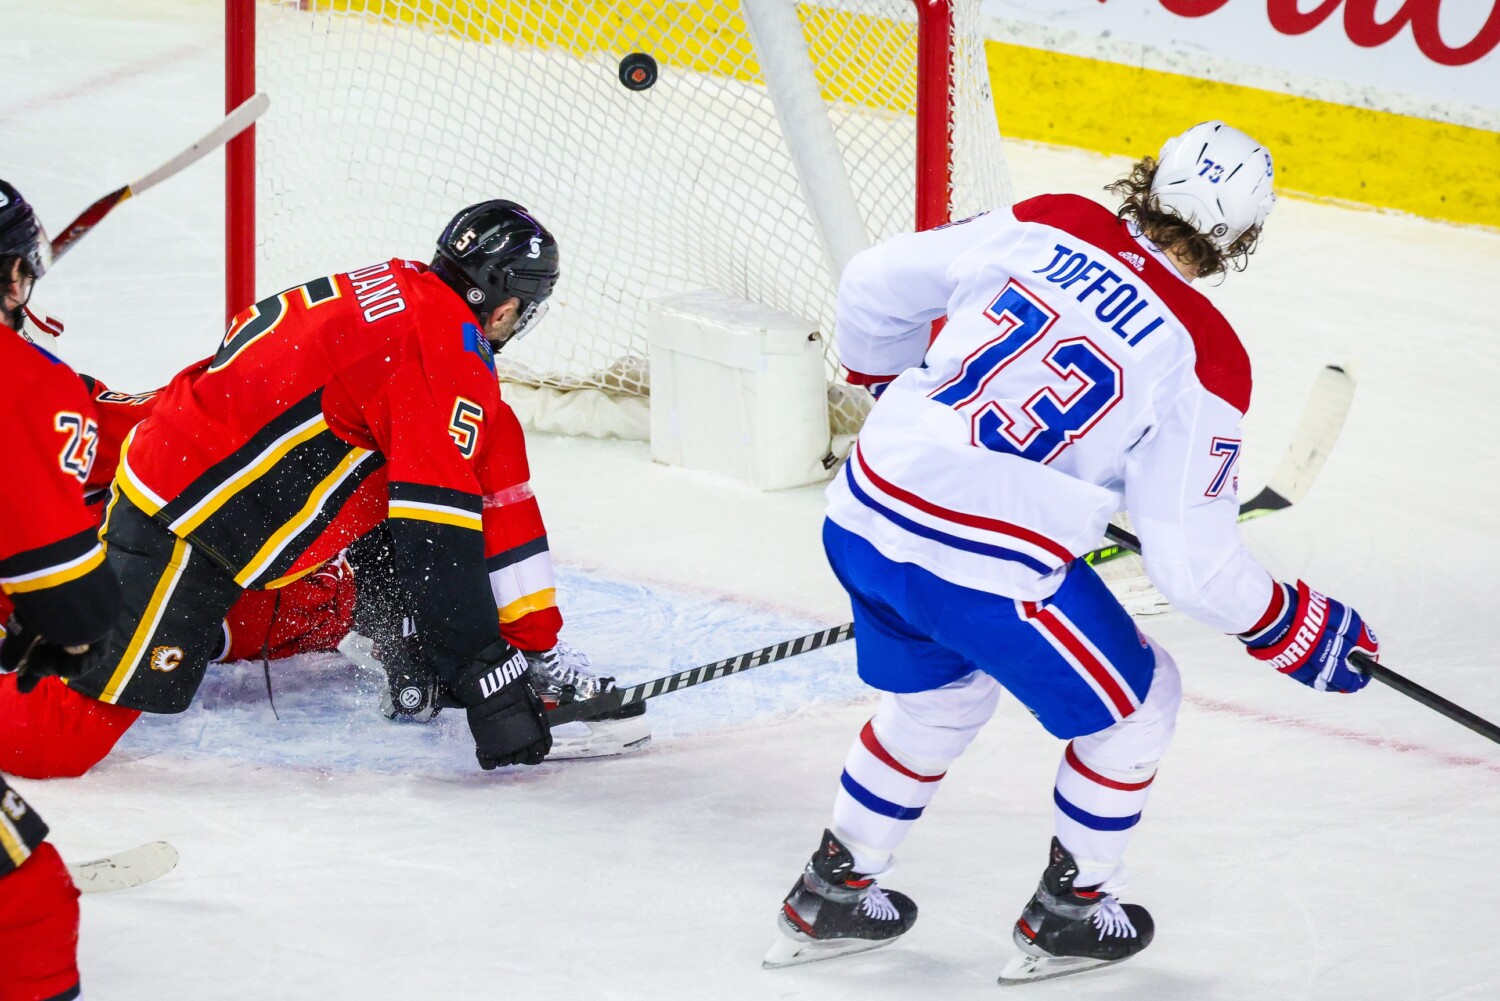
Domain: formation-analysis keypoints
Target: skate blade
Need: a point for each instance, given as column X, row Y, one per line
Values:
column 1024, row 969
column 788, row 951
column 599, row 738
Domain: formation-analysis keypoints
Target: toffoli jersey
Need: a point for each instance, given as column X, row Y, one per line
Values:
column 1078, row 374
column 51, row 562
column 349, row 400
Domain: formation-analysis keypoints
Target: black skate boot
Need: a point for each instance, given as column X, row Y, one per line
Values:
column 1067, row 929
column 563, row 675
column 833, row 911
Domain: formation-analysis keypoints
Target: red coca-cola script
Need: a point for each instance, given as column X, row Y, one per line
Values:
column 1365, row 29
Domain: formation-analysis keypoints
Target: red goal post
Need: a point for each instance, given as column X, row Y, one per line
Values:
column 761, row 158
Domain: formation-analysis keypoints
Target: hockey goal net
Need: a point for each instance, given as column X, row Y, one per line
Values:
column 778, row 139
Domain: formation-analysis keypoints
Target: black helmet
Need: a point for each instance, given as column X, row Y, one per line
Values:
column 21, row 234
column 494, row 251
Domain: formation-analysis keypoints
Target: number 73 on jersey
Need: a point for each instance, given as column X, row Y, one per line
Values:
column 1078, row 382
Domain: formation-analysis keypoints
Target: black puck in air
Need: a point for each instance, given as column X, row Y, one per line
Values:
column 637, row 71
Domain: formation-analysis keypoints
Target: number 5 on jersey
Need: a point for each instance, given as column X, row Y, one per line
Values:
column 265, row 316
column 464, row 425
column 1078, row 383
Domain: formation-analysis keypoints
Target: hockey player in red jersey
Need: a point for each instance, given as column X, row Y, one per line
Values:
column 347, row 402
column 1078, row 374
column 53, row 731
column 64, row 595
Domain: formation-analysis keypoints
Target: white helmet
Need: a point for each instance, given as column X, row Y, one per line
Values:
column 1216, row 178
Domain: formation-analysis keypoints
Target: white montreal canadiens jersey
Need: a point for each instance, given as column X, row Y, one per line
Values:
column 1077, row 374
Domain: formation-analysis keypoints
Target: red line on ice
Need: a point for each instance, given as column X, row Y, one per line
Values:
column 118, row 74
column 1368, row 739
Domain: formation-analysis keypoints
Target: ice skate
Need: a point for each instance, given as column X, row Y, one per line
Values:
column 1066, row 930
column 562, row 675
column 834, row 911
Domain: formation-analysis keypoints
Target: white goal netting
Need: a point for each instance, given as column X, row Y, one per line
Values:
column 388, row 116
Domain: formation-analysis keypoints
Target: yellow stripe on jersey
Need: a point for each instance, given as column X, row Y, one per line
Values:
column 140, row 495
column 12, row 842
column 534, row 602
column 53, row 576
column 181, row 550
column 417, row 511
column 298, row 522
column 109, row 509
column 291, row 578
column 263, row 464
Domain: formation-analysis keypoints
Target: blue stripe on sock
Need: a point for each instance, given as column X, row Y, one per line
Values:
column 1091, row 820
column 875, row 804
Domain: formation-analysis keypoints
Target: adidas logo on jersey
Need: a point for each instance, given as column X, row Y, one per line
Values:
column 1134, row 260
column 503, row 675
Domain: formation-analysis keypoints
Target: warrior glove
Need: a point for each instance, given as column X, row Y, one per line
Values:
column 1310, row 637
column 505, row 715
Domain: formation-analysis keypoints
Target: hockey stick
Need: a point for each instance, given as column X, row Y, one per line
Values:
column 619, row 697
column 124, row 870
column 1322, row 419
column 234, row 123
column 1432, row 700
column 1376, row 670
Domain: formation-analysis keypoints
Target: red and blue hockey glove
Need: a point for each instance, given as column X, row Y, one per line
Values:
column 1310, row 636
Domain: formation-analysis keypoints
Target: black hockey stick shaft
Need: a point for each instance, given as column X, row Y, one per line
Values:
column 1432, row 700
column 621, row 697
column 1376, row 670
column 1264, row 502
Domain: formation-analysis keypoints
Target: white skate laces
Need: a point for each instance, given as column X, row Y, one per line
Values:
column 1111, row 920
column 878, row 905
column 566, row 665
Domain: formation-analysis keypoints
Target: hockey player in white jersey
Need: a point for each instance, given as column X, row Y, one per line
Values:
column 1079, row 374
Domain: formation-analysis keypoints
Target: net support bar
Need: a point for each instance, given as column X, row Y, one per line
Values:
column 239, row 159
column 935, row 137
column 781, row 47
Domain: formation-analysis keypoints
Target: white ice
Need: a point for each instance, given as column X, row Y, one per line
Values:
column 1298, row 846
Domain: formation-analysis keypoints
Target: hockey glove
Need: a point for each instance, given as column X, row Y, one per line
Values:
column 1311, row 637
column 28, row 653
column 412, row 687
column 505, row 715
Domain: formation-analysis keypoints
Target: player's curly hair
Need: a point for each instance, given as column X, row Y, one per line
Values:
column 1170, row 231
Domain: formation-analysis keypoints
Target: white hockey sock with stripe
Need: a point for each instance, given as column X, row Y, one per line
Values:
column 1105, row 778
column 879, row 798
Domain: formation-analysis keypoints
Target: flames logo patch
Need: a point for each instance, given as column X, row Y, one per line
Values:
column 166, row 659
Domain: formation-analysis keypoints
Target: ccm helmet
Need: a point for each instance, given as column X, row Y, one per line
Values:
column 1216, row 178
column 494, row 251
column 21, row 233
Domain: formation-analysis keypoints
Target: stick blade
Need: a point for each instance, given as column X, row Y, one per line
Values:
column 1322, row 419
column 124, row 870
column 237, row 121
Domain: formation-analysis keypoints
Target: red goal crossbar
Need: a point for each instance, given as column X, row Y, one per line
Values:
column 934, row 155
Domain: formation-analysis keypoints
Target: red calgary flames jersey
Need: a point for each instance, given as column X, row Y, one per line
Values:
column 51, row 562
column 349, row 400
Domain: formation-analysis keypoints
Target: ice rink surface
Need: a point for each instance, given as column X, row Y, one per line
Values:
column 1298, row 845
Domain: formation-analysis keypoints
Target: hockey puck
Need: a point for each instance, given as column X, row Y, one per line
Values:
column 637, row 71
